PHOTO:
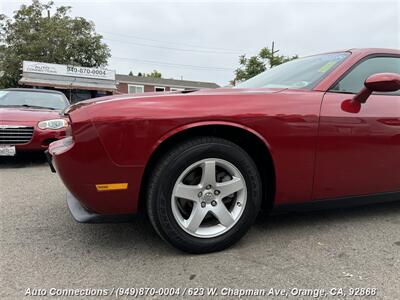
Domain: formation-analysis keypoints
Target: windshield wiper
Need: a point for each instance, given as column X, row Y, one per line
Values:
column 36, row 106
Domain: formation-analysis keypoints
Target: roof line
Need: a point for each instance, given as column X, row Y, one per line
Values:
column 121, row 78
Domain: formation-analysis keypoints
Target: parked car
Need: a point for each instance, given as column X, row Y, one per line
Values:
column 30, row 119
column 323, row 129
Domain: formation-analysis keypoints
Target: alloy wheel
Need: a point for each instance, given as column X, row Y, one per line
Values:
column 209, row 198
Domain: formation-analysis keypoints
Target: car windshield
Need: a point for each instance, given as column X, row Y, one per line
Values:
column 301, row 73
column 32, row 99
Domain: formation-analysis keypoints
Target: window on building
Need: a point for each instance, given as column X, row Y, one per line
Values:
column 159, row 88
column 173, row 89
column 132, row 88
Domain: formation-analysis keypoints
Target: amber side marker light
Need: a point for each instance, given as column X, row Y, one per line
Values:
column 111, row 187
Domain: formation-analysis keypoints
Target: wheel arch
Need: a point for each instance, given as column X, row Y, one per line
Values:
column 255, row 144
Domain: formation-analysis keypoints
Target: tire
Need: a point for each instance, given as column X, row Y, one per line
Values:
column 185, row 170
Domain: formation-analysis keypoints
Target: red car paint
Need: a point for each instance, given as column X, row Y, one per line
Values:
column 31, row 117
column 318, row 150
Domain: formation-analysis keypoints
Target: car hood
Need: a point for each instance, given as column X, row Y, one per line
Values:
column 208, row 92
column 22, row 114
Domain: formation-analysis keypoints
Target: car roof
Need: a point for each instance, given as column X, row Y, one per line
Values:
column 366, row 51
column 375, row 50
column 34, row 90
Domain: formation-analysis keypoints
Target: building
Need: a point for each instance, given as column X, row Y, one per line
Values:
column 140, row 84
column 77, row 83
column 80, row 83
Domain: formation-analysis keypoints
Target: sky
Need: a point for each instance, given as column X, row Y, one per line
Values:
column 202, row 40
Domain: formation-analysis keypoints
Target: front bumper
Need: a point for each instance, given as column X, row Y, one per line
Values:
column 26, row 136
column 83, row 167
column 82, row 215
column 41, row 140
column 50, row 161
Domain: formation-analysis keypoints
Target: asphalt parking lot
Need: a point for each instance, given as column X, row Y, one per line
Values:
column 43, row 247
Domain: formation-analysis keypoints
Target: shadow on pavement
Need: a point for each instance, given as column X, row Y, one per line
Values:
column 22, row 160
column 307, row 218
column 138, row 234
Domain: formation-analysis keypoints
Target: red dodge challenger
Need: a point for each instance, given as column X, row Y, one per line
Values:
column 30, row 119
column 322, row 129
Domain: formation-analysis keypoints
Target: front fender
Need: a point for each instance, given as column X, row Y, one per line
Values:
column 188, row 126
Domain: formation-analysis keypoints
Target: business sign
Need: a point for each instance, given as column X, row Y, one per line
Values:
column 67, row 70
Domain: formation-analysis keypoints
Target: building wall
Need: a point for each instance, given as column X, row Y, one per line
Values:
column 122, row 88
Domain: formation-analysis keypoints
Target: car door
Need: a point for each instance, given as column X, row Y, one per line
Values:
column 359, row 153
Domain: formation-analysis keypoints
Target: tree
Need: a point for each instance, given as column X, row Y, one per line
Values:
column 34, row 34
column 254, row 65
column 2, row 45
column 154, row 74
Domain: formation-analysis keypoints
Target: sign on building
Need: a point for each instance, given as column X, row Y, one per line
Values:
column 67, row 70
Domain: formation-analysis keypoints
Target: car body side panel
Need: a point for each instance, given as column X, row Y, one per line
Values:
column 116, row 136
column 130, row 130
column 358, row 154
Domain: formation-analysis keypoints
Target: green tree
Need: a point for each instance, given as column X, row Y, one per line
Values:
column 130, row 73
column 254, row 65
column 35, row 34
column 2, row 42
column 154, row 74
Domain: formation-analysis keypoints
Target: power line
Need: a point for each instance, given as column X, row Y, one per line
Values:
column 211, row 49
column 170, row 48
column 174, row 64
column 174, row 43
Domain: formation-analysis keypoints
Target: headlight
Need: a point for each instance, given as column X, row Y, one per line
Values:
column 53, row 124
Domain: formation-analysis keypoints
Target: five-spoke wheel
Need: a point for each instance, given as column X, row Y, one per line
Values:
column 203, row 194
column 209, row 197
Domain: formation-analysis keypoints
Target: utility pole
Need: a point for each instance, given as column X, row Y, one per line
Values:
column 271, row 62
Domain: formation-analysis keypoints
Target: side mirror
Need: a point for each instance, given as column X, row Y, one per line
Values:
column 381, row 82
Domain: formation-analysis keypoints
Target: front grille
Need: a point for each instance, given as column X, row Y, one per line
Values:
column 15, row 135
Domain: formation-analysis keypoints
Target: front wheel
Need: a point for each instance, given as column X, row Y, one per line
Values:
column 204, row 195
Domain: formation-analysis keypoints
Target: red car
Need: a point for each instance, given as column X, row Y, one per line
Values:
column 319, row 129
column 30, row 119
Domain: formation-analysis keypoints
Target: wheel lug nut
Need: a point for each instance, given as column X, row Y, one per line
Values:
column 208, row 187
column 239, row 204
column 214, row 203
column 200, row 194
column 203, row 204
column 216, row 192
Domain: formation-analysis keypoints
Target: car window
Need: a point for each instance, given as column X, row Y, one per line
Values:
column 353, row 82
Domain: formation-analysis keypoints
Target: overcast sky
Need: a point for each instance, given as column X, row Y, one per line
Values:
column 202, row 40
